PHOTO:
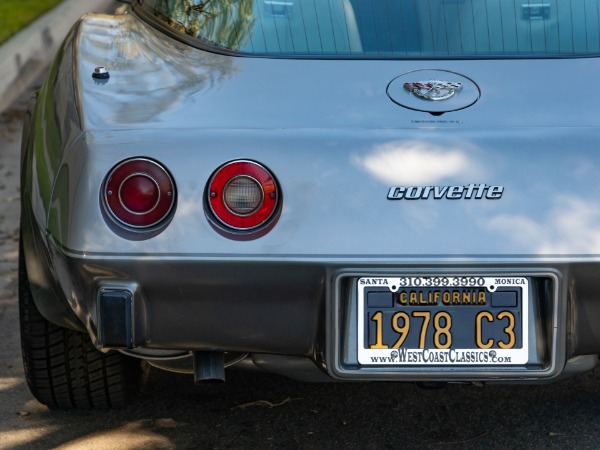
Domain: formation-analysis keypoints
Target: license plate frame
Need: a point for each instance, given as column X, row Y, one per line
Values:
column 434, row 294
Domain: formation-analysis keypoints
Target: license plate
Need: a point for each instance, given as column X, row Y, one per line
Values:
column 443, row 321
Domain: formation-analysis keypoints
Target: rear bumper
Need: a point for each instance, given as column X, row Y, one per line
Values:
column 192, row 304
column 300, row 306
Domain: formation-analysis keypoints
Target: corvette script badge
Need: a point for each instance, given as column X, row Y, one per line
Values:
column 433, row 90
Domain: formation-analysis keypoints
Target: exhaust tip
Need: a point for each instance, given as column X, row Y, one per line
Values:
column 209, row 367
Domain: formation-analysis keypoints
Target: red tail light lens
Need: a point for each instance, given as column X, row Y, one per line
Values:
column 139, row 193
column 243, row 195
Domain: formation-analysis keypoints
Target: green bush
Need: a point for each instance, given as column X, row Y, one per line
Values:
column 16, row 14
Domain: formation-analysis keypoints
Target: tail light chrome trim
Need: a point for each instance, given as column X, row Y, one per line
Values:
column 221, row 209
column 142, row 216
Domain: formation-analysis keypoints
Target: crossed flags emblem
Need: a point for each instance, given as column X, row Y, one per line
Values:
column 433, row 89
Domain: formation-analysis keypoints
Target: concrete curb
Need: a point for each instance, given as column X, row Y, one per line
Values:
column 26, row 55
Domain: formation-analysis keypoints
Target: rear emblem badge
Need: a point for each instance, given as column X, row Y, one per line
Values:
column 434, row 90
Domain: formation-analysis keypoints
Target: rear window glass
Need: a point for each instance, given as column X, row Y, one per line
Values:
column 387, row 28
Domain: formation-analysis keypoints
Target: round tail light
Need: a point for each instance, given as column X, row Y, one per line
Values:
column 139, row 193
column 243, row 195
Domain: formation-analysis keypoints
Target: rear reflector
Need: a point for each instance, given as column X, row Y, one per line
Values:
column 139, row 193
column 243, row 195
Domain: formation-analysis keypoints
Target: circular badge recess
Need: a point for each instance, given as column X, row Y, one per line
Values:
column 433, row 91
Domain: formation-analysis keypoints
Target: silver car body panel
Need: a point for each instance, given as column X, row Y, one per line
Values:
column 336, row 148
column 336, row 143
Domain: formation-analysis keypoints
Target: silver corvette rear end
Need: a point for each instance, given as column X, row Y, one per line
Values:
column 415, row 205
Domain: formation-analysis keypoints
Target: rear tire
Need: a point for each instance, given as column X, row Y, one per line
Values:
column 63, row 368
